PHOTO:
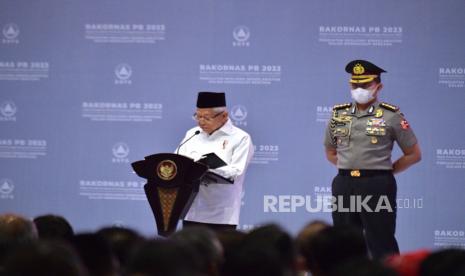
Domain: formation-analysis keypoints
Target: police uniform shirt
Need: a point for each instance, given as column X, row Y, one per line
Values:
column 220, row 203
column 364, row 139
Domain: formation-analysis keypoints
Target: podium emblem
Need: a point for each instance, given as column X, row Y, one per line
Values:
column 167, row 169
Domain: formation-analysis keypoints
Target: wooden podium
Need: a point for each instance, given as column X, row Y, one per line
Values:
column 172, row 183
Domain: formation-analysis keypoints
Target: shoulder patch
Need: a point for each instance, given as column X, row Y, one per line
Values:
column 389, row 107
column 342, row 106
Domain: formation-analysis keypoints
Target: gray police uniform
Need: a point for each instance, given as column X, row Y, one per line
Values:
column 363, row 141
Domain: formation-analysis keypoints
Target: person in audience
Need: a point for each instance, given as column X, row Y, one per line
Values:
column 303, row 240
column 267, row 250
column 163, row 257
column 332, row 246
column 450, row 262
column 205, row 246
column 96, row 254
column 362, row 267
column 48, row 246
column 53, row 227
column 44, row 258
column 15, row 230
column 230, row 241
column 122, row 241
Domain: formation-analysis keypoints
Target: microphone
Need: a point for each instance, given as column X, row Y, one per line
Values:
column 196, row 133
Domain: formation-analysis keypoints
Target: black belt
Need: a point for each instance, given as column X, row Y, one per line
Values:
column 363, row 173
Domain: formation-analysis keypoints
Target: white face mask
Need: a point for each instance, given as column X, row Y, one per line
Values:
column 362, row 96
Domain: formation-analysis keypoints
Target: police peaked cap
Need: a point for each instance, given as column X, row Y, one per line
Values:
column 363, row 71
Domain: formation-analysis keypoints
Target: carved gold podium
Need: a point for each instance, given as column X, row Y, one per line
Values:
column 172, row 183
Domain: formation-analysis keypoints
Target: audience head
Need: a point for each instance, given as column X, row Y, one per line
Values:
column 53, row 227
column 361, row 267
column 204, row 244
column 310, row 230
column 44, row 258
column 332, row 246
column 449, row 262
column 230, row 240
column 267, row 250
column 122, row 241
column 278, row 239
column 96, row 254
column 15, row 230
column 303, row 240
column 163, row 257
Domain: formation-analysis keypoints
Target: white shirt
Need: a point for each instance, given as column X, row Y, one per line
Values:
column 220, row 203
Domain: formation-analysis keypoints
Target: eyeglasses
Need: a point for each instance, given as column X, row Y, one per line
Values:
column 197, row 118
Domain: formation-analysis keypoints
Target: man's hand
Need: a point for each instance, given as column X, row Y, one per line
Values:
column 331, row 155
column 411, row 156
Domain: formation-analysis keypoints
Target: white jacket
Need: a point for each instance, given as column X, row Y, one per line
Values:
column 220, row 203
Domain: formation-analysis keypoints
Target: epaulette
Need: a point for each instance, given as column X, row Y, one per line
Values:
column 389, row 107
column 342, row 106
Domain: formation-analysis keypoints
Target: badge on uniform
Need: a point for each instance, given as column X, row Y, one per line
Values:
column 341, row 132
column 404, row 124
column 374, row 140
column 378, row 122
column 379, row 113
column 376, row 131
column 376, row 127
column 339, row 123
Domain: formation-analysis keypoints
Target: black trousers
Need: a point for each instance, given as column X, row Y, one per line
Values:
column 212, row 226
column 377, row 222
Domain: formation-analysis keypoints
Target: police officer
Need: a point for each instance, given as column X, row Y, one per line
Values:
column 359, row 141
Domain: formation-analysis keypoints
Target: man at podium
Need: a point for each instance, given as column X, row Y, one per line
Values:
column 217, row 206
